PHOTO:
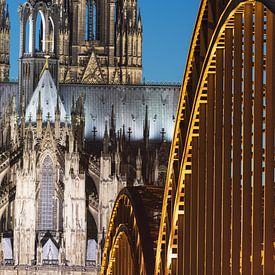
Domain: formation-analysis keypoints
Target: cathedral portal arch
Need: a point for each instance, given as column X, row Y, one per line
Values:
column 40, row 32
column 46, row 197
column 49, row 198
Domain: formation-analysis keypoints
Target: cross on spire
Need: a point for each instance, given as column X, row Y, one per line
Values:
column 30, row 118
column 162, row 134
column 94, row 132
column 48, row 117
column 129, row 133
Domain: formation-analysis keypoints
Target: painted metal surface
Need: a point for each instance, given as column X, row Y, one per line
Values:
column 225, row 185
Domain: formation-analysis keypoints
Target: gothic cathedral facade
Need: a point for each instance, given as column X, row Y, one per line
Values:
column 4, row 41
column 71, row 140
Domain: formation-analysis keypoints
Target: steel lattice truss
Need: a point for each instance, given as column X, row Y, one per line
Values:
column 218, row 214
column 218, row 211
column 133, row 230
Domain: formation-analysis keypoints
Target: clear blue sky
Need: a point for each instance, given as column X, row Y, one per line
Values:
column 167, row 26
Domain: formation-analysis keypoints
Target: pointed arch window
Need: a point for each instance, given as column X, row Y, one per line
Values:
column 47, row 203
column 91, row 15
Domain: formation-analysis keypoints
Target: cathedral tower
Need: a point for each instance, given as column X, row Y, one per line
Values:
column 100, row 42
column 39, row 21
column 4, row 41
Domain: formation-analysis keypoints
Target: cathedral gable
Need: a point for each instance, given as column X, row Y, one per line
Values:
column 48, row 142
column 93, row 73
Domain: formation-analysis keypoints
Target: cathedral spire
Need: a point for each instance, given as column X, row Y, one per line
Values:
column 39, row 117
column 146, row 130
column 139, row 179
column 113, row 118
column 57, row 119
column 139, row 24
column 113, row 125
column 73, row 103
column 106, row 139
column 57, row 104
column 7, row 17
column 13, row 105
column 117, row 160
column 39, row 108
column 46, row 66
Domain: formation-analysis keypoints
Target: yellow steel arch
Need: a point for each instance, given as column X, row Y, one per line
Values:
column 133, row 231
column 218, row 203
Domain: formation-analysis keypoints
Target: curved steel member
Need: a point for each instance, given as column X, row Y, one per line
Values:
column 220, row 180
column 133, row 230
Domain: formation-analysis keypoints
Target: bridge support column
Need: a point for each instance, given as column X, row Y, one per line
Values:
column 201, row 191
column 180, row 244
column 187, row 225
column 218, row 161
column 227, row 158
column 269, row 152
column 247, row 141
column 194, row 207
column 209, row 175
column 237, row 127
column 257, row 191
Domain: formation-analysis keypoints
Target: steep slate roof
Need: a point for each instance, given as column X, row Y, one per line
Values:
column 48, row 93
column 129, row 103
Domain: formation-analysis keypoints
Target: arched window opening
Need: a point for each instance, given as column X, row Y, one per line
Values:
column 51, row 35
column 91, row 227
column 47, row 201
column 40, row 34
column 91, row 20
column 28, row 36
column 91, row 238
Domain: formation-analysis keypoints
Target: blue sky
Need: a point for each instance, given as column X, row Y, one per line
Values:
column 167, row 26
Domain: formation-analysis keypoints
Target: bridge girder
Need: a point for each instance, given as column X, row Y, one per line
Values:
column 218, row 209
column 218, row 212
column 133, row 230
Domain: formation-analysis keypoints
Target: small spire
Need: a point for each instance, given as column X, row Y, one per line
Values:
column 57, row 104
column 113, row 118
column 117, row 160
column 66, row 121
column 46, row 66
column 123, row 131
column 138, row 180
column 30, row 119
column 163, row 135
column 13, row 104
column 7, row 19
column 48, row 117
column 39, row 108
column 117, row 147
column 106, row 139
column 139, row 24
column 113, row 125
column 73, row 103
column 47, row 62
column 106, row 129
column 139, row 15
column 146, row 128
column 129, row 134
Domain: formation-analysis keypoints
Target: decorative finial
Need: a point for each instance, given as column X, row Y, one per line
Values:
column 47, row 62
column 46, row 66
column 48, row 117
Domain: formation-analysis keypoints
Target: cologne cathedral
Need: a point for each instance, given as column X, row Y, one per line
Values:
column 77, row 127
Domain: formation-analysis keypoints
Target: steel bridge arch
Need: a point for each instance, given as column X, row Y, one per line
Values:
column 133, row 230
column 221, row 162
